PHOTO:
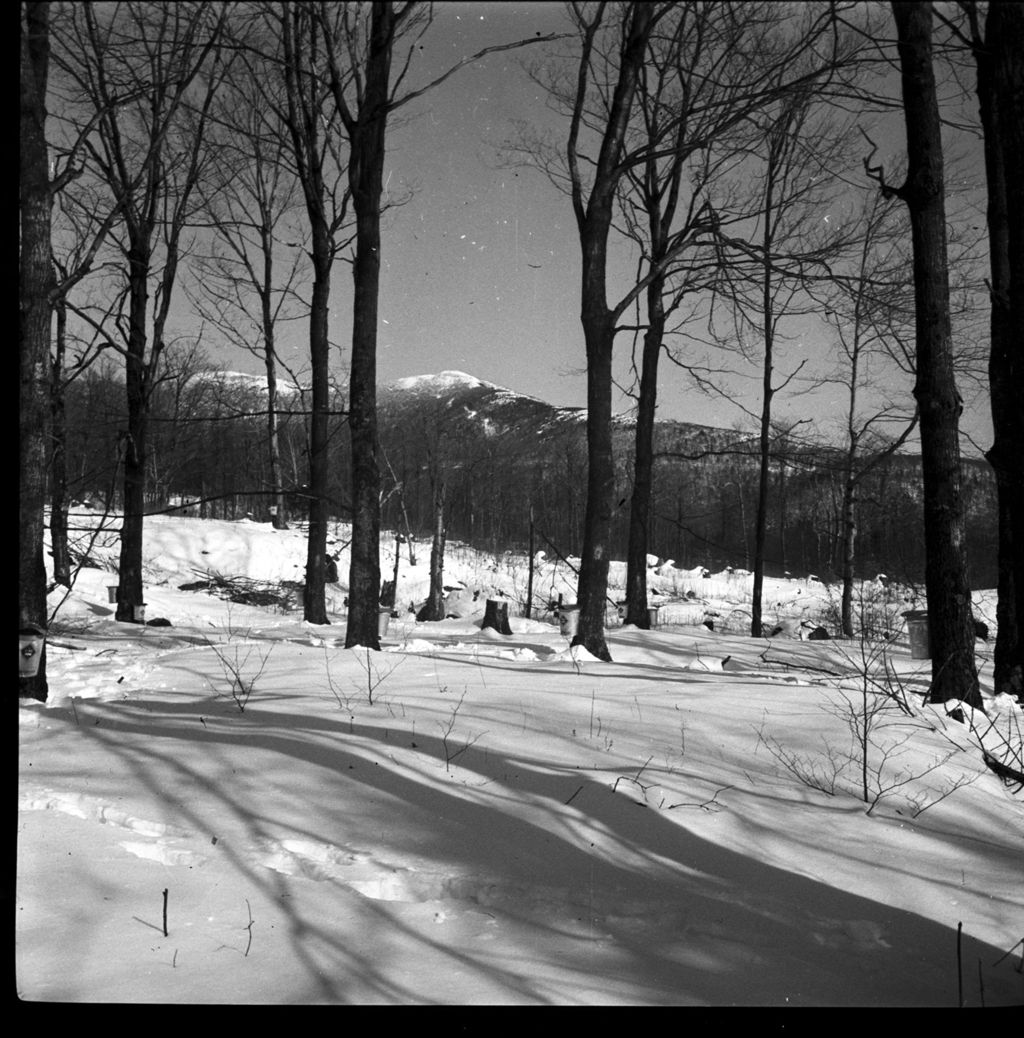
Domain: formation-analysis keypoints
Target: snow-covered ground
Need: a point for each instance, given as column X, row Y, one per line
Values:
column 472, row 818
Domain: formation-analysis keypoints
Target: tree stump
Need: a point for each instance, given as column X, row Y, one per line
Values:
column 496, row 616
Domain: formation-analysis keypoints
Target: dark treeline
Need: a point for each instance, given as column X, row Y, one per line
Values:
column 504, row 459
column 208, row 452
column 702, row 510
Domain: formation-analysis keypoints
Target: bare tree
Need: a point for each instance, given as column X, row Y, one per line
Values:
column 1007, row 368
column 366, row 92
column 247, row 284
column 147, row 151
column 870, row 308
column 770, row 267
column 995, row 41
column 35, row 284
column 696, row 63
column 435, row 439
column 951, row 625
column 654, row 94
column 72, row 356
column 362, row 98
column 712, row 69
column 593, row 201
column 83, row 221
column 307, row 36
column 434, row 609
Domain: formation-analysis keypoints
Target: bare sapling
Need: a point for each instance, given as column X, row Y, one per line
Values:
column 875, row 758
column 242, row 665
column 375, row 675
column 873, row 762
column 341, row 697
column 447, row 726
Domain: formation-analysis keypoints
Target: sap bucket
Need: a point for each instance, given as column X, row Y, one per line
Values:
column 112, row 593
column 568, row 620
column 30, row 645
column 383, row 618
column 653, row 613
column 139, row 613
column 917, row 628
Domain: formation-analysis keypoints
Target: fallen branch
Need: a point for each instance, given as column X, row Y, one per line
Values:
column 786, row 665
column 706, row 805
column 1010, row 776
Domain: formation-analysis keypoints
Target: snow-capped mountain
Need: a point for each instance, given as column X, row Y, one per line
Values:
column 243, row 382
column 463, row 404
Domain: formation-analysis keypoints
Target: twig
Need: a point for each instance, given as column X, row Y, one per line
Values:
column 959, row 966
column 635, row 779
column 706, row 805
column 1009, row 952
column 249, row 927
column 801, row 665
column 165, row 911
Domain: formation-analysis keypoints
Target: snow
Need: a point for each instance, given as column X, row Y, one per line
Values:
column 247, row 382
column 470, row 818
column 442, row 380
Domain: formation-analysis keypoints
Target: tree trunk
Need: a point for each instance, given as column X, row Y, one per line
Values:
column 58, row 461
column 314, row 606
column 391, row 597
column 849, row 540
column 366, row 165
column 528, row 611
column 280, row 516
column 1000, row 86
column 643, row 462
column 767, row 393
column 133, row 439
column 783, row 518
column 594, row 223
column 592, row 591
column 1010, row 89
column 435, row 601
column 761, row 514
column 951, row 624
column 35, row 285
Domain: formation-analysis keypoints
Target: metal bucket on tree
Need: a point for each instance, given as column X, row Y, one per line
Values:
column 30, row 645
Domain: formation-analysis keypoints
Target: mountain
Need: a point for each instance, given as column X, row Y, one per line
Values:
column 225, row 383
column 503, row 457
column 461, row 403
column 511, row 467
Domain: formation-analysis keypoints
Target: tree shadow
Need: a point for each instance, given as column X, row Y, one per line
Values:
column 596, row 897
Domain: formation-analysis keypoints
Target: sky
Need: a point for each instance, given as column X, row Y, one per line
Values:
column 481, row 265
column 468, row 818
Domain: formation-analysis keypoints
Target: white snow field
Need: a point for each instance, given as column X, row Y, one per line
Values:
column 236, row 809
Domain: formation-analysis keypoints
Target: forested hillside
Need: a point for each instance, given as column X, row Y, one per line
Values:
column 502, row 457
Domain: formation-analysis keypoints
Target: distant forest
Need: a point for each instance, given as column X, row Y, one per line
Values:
column 507, row 463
